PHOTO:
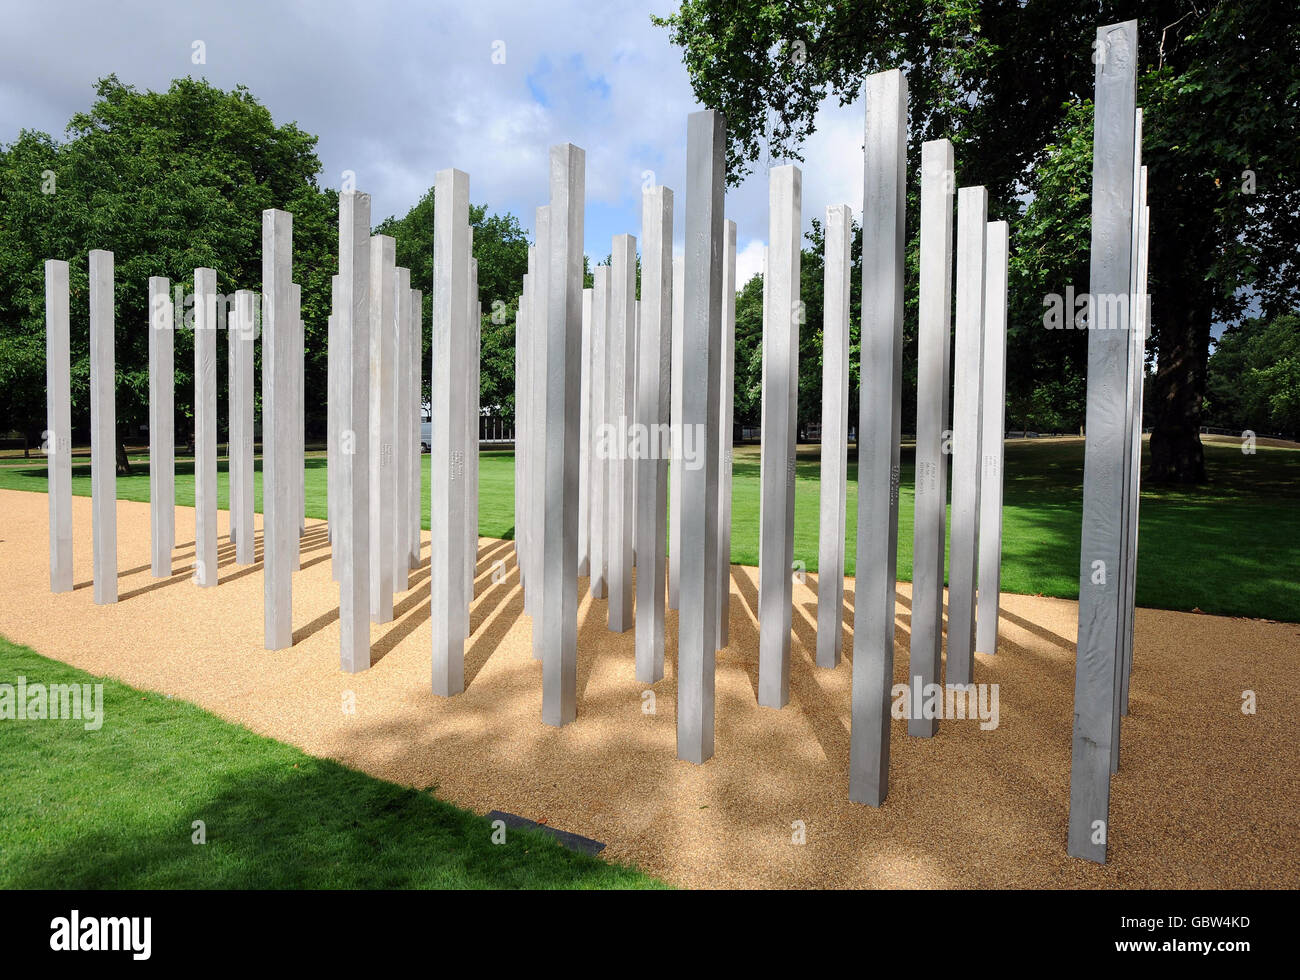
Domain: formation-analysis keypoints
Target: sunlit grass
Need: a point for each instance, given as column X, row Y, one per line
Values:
column 1231, row 547
column 117, row 808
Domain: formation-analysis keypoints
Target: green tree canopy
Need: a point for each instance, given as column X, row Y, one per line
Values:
column 168, row 182
column 1009, row 82
column 501, row 249
column 1254, row 376
column 176, row 180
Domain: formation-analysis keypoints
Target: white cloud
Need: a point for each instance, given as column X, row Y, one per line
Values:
column 398, row 91
column 749, row 262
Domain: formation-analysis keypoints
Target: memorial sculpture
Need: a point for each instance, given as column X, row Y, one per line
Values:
column 279, row 474
column 967, row 401
column 447, row 459
column 930, row 500
column 205, row 427
column 58, row 433
column 1110, row 453
column 993, row 399
column 594, row 361
column 782, row 313
column 241, row 337
column 835, row 441
column 726, row 413
column 350, row 445
column 103, row 428
column 563, row 344
column 653, row 368
column 383, row 424
column 884, row 199
column 701, row 346
column 162, row 428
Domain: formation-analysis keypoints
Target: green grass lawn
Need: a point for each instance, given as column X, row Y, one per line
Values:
column 115, row 808
column 1231, row 547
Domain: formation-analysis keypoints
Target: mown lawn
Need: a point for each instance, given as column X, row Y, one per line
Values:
column 116, row 807
column 1230, row 548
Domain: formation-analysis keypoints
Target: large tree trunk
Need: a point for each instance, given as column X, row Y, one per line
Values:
column 1184, row 312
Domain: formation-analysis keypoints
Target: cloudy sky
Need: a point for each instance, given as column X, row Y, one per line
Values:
column 397, row 91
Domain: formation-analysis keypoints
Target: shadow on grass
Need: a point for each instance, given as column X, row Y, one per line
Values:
column 128, row 795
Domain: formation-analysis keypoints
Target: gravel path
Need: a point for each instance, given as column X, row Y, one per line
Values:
column 1206, row 796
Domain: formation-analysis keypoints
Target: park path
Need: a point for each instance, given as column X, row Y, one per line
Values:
column 1206, row 797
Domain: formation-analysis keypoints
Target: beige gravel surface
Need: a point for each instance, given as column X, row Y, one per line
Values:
column 1207, row 796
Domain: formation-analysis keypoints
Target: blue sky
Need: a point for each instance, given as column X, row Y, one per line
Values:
column 398, row 91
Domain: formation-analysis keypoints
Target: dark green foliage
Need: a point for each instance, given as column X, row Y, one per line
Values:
column 169, row 182
column 501, row 248
column 1254, row 376
column 1009, row 83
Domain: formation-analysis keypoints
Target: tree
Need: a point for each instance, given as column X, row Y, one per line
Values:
column 169, row 182
column 1047, row 369
column 501, row 249
column 747, row 388
column 1254, row 376
column 1227, row 369
column 749, row 335
column 1006, row 80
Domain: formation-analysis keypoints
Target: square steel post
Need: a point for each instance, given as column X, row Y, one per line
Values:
column 471, row 445
column 521, row 404
column 352, row 432
column 780, row 384
column 103, row 427
column 471, row 433
column 334, row 395
column 934, row 345
column 205, row 427
column 701, row 352
column 541, row 282
column 634, row 347
column 1101, row 548
column 584, row 443
column 967, row 399
column 447, row 483
column 294, row 408
column 383, row 374
column 401, row 396
column 242, row 337
column 675, row 418
column 162, row 427
column 279, row 478
column 1135, row 481
column 654, row 370
column 523, row 431
column 563, row 326
column 229, row 324
column 622, row 361
column 1131, row 460
column 726, row 415
column 884, row 222
column 599, row 531
column 835, row 441
column 58, row 422
column 416, row 367
column 992, row 418
column 299, row 417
